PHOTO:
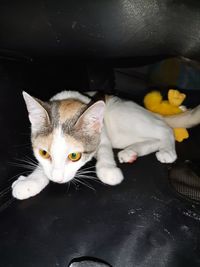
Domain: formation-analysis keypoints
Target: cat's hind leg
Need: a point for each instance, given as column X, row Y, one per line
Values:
column 167, row 151
column 130, row 153
column 25, row 187
column 164, row 145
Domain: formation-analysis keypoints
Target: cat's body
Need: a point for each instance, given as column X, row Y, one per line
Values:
column 66, row 127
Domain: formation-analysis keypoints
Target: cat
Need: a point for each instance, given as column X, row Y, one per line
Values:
column 68, row 131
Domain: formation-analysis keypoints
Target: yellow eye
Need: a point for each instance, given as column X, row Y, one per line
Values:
column 74, row 156
column 44, row 154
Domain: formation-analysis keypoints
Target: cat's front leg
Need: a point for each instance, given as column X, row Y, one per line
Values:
column 106, row 168
column 25, row 187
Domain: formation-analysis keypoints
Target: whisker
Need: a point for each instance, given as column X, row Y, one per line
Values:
column 22, row 145
column 6, row 204
column 26, row 166
column 84, row 169
column 5, row 191
column 90, row 178
column 17, row 175
column 68, row 186
column 86, row 184
column 25, row 161
column 86, row 172
column 28, row 161
column 31, row 159
column 75, row 184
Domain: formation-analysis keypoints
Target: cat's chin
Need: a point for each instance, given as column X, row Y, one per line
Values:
column 61, row 182
column 58, row 182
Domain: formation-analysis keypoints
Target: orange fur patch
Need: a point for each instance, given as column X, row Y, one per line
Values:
column 68, row 108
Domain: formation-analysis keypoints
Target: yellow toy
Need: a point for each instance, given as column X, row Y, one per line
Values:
column 154, row 102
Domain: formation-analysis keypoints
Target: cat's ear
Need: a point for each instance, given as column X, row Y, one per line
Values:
column 38, row 115
column 91, row 120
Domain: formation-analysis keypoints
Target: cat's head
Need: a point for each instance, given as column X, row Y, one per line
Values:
column 65, row 134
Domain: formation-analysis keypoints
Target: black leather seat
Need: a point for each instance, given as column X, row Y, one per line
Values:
column 50, row 46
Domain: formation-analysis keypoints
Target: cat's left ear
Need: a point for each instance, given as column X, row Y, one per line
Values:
column 91, row 120
column 38, row 115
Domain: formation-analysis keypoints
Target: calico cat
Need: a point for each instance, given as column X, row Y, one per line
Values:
column 68, row 131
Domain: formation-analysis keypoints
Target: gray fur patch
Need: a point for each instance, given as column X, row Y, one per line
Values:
column 89, row 141
column 69, row 124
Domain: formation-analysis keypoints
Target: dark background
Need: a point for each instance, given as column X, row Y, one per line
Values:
column 49, row 46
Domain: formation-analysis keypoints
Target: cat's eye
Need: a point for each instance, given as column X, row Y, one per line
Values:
column 44, row 154
column 75, row 156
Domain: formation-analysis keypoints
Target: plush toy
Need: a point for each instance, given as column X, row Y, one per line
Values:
column 154, row 102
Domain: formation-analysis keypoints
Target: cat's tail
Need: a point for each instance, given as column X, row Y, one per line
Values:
column 186, row 119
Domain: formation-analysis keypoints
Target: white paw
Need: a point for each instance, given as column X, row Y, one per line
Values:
column 110, row 175
column 25, row 187
column 127, row 156
column 166, row 156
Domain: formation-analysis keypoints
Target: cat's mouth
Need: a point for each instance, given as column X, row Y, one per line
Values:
column 58, row 176
column 60, row 180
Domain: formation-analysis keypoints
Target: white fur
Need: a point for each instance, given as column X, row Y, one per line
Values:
column 127, row 126
column 106, row 168
column 60, row 169
column 71, row 94
column 37, row 114
column 25, row 187
column 137, row 132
